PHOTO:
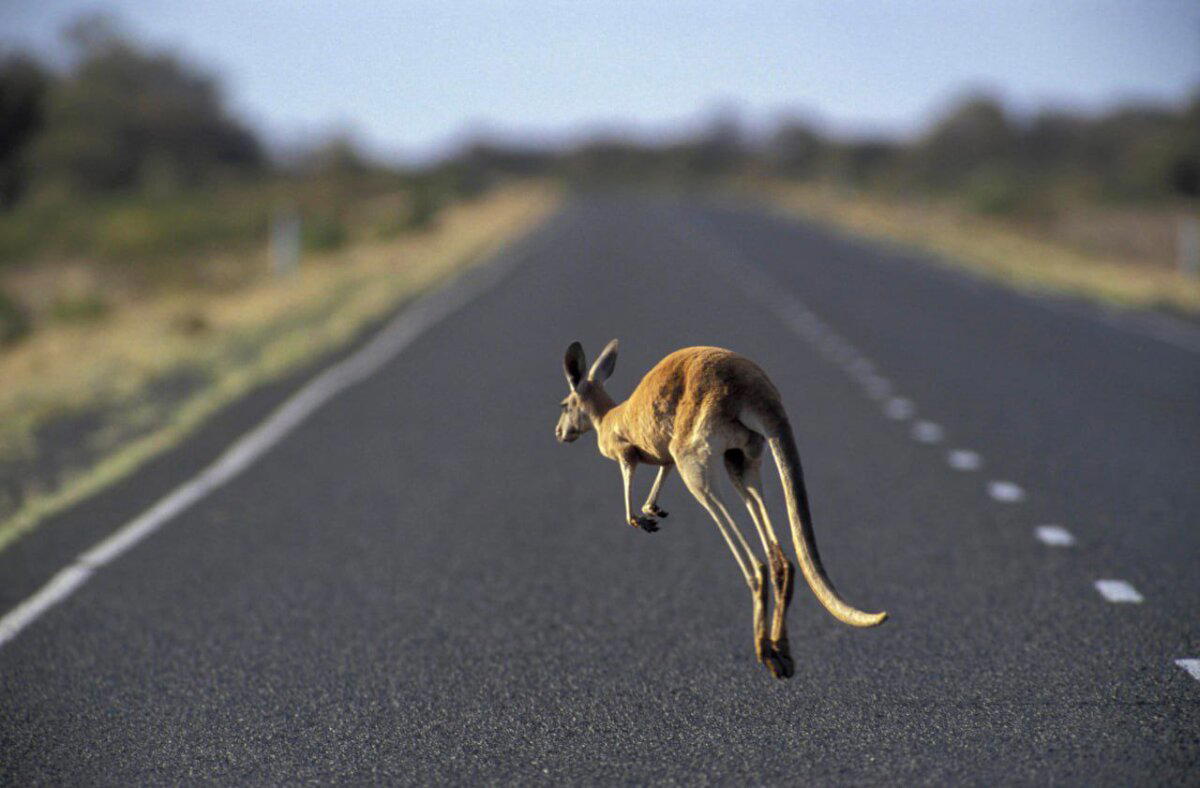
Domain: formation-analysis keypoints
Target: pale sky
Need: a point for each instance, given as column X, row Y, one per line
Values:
column 409, row 78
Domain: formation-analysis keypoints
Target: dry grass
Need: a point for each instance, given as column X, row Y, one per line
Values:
column 997, row 249
column 236, row 339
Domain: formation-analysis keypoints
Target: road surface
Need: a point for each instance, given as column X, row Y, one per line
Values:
column 417, row 584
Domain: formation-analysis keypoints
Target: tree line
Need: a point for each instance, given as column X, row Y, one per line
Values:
column 127, row 119
column 977, row 152
column 122, row 118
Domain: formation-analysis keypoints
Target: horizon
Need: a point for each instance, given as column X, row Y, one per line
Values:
column 424, row 79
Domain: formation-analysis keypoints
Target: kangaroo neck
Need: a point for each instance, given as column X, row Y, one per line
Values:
column 608, row 429
column 599, row 406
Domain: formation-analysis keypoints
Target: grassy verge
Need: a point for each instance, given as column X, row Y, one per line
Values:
column 994, row 248
column 222, row 342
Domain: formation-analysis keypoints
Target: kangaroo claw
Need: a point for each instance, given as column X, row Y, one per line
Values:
column 782, row 666
column 647, row 524
column 780, row 661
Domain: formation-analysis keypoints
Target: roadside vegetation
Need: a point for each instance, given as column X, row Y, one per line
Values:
column 1090, row 206
column 1098, row 206
column 1119, row 257
column 139, row 291
column 85, row 402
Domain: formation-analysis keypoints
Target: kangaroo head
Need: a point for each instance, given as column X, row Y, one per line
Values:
column 587, row 401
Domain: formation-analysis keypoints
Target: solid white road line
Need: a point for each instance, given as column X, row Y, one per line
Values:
column 1191, row 666
column 964, row 460
column 927, row 432
column 1005, row 492
column 1054, row 535
column 1118, row 591
column 398, row 334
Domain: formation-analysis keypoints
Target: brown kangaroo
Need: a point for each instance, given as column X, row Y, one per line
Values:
column 697, row 405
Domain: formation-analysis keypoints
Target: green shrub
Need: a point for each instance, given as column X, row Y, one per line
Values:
column 323, row 233
column 87, row 308
column 389, row 230
column 996, row 191
column 423, row 210
column 145, row 229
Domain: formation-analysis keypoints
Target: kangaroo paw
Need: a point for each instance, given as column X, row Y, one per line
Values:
column 647, row 524
column 781, row 664
column 779, row 669
column 653, row 511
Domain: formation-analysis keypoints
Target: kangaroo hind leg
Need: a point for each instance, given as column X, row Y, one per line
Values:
column 743, row 473
column 694, row 469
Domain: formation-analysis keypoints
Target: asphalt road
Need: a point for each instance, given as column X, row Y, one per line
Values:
column 420, row 585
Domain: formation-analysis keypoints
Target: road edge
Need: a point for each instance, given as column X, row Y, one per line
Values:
column 373, row 350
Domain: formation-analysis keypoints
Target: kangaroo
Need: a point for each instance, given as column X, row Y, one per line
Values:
column 695, row 407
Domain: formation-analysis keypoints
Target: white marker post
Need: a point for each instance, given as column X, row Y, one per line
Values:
column 285, row 242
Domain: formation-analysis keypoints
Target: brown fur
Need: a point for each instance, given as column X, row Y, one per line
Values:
column 696, row 405
column 679, row 402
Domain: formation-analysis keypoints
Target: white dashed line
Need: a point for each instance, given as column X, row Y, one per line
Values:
column 899, row 409
column 879, row 388
column 927, row 432
column 1118, row 591
column 964, row 460
column 1006, row 492
column 1054, row 535
column 1191, row 666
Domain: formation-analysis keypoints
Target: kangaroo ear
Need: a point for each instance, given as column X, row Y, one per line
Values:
column 574, row 364
column 606, row 362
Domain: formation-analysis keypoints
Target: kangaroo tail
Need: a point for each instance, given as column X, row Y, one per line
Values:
column 787, row 459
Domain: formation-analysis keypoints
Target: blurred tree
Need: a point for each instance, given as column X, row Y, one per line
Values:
column 974, row 134
column 23, row 85
column 1134, row 151
column 719, row 148
column 796, row 150
column 337, row 156
column 128, row 119
column 864, row 162
column 480, row 163
column 504, row 159
column 424, row 207
column 1053, row 141
column 1184, row 167
column 612, row 158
